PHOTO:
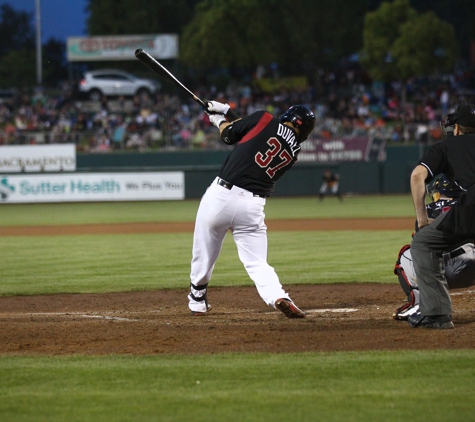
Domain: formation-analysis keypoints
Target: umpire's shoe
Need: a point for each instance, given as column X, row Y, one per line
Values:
column 288, row 308
column 440, row 322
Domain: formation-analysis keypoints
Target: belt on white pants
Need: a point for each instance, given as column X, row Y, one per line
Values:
column 229, row 186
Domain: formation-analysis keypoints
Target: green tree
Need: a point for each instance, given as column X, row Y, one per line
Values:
column 399, row 43
column 460, row 13
column 288, row 32
column 230, row 33
column 381, row 29
column 136, row 17
column 17, row 48
column 17, row 69
column 16, row 30
column 425, row 45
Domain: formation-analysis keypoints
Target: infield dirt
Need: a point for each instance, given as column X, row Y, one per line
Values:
column 339, row 316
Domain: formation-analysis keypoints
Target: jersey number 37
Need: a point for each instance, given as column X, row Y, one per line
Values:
column 264, row 160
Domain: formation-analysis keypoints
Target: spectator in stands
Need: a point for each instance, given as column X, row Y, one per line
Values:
column 343, row 104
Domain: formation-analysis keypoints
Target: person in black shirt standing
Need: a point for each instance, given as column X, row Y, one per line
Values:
column 265, row 148
column 455, row 157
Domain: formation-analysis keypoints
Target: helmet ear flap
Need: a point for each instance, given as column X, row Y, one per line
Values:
column 302, row 118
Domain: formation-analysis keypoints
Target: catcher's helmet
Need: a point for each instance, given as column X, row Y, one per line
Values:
column 442, row 185
column 302, row 117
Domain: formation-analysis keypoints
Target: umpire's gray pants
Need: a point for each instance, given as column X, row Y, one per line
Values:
column 427, row 247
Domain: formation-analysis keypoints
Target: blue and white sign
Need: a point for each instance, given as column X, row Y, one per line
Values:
column 92, row 187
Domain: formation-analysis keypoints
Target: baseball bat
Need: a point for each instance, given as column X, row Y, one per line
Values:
column 158, row 68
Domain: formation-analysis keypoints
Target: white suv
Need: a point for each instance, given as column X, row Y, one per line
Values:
column 109, row 82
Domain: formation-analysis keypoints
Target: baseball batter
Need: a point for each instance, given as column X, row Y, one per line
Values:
column 265, row 148
column 459, row 263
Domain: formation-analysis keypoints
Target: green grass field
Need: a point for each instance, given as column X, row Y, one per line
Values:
column 370, row 386
column 373, row 386
column 126, row 212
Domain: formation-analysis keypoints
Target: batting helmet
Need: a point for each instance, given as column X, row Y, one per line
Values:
column 302, row 118
column 443, row 185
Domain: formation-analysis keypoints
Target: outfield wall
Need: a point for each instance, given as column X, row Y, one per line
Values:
column 201, row 167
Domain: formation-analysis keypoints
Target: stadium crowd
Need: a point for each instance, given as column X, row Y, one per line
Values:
column 345, row 105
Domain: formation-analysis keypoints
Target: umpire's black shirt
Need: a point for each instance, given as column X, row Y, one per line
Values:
column 455, row 157
column 265, row 150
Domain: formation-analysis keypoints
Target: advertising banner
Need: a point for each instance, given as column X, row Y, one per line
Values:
column 121, row 47
column 343, row 150
column 37, row 158
column 86, row 187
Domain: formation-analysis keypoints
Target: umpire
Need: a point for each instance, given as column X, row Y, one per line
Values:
column 455, row 157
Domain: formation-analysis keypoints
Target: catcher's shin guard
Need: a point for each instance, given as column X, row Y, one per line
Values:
column 409, row 287
column 406, row 284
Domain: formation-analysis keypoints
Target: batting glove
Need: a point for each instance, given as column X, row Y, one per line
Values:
column 213, row 107
column 216, row 119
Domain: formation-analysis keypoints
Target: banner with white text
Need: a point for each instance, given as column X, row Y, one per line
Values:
column 92, row 187
column 37, row 158
column 335, row 150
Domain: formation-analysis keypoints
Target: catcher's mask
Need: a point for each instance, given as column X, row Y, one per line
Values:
column 448, row 125
column 302, row 117
column 442, row 185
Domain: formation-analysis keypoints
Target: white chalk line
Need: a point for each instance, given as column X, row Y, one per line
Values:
column 336, row 310
column 322, row 311
column 107, row 317
column 72, row 314
column 114, row 318
column 462, row 293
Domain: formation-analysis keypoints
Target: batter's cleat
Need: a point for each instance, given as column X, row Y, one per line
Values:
column 198, row 305
column 405, row 311
column 288, row 308
column 439, row 322
column 201, row 313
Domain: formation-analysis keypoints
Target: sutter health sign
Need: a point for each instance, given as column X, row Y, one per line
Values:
column 92, row 187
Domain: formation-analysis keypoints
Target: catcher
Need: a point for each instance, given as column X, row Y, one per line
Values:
column 459, row 263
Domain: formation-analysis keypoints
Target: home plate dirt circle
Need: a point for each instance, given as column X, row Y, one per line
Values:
column 340, row 317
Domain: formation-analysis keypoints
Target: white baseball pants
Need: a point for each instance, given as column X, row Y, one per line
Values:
column 241, row 212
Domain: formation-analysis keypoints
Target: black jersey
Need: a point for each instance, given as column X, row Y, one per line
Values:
column 265, row 150
column 434, row 209
column 455, row 157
